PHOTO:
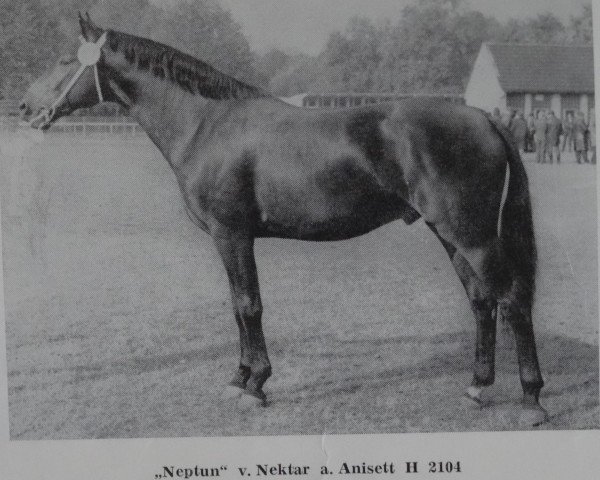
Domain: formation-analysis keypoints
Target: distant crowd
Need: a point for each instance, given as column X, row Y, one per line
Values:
column 548, row 136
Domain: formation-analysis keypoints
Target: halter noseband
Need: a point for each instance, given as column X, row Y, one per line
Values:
column 88, row 55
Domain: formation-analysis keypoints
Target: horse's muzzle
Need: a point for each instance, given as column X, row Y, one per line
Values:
column 43, row 120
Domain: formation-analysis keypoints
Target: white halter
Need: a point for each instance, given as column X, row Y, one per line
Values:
column 88, row 55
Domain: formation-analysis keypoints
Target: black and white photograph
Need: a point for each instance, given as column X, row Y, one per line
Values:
column 228, row 218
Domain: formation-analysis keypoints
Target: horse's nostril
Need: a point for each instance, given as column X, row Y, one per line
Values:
column 24, row 110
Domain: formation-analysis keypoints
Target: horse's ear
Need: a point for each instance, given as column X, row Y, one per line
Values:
column 89, row 31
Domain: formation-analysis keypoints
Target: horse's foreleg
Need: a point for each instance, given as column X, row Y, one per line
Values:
column 237, row 252
column 483, row 306
column 240, row 378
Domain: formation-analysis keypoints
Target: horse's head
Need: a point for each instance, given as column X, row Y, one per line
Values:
column 71, row 84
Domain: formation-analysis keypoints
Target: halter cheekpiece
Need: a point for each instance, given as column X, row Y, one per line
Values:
column 88, row 55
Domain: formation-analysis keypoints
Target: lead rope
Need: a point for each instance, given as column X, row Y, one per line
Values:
column 88, row 56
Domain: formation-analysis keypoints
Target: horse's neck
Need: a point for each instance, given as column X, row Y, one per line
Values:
column 167, row 113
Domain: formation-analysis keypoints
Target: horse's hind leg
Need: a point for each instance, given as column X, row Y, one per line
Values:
column 514, row 298
column 517, row 312
column 483, row 305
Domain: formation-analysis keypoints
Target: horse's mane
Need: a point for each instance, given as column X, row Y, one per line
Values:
column 191, row 74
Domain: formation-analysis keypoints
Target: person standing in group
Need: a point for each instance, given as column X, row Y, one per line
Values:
column 592, row 135
column 568, row 133
column 553, row 133
column 530, row 143
column 579, row 133
column 540, row 129
column 508, row 118
column 518, row 128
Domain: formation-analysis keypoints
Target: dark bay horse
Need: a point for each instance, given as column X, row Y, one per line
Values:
column 251, row 166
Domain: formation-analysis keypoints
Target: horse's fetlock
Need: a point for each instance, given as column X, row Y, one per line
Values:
column 533, row 386
column 244, row 372
column 264, row 372
column 484, row 377
column 260, row 375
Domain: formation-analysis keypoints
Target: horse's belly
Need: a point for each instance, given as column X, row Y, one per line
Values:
column 333, row 218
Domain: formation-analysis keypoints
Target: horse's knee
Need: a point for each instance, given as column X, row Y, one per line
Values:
column 481, row 299
column 249, row 307
column 492, row 268
column 515, row 305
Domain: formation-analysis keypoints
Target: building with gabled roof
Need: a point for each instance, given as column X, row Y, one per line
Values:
column 526, row 77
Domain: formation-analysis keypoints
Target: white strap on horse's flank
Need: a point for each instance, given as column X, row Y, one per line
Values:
column 97, row 81
column 503, row 199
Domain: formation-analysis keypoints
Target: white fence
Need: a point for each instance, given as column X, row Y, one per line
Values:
column 84, row 126
column 88, row 128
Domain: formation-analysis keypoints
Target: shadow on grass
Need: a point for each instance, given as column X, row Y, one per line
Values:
column 569, row 366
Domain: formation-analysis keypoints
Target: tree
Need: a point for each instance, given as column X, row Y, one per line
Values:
column 350, row 59
column 300, row 76
column 207, row 31
column 201, row 28
column 271, row 64
column 580, row 26
column 433, row 47
column 33, row 33
column 29, row 41
column 545, row 28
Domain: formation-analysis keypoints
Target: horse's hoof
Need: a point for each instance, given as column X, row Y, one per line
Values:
column 251, row 400
column 232, row 392
column 476, row 397
column 533, row 416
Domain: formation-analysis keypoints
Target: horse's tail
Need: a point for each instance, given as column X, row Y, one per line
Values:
column 516, row 224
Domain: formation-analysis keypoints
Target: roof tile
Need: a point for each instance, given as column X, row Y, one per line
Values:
column 544, row 68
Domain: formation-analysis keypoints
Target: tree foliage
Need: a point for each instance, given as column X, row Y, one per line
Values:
column 29, row 40
column 545, row 28
column 35, row 33
column 431, row 48
column 581, row 26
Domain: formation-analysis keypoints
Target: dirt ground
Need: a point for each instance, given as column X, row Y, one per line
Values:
column 118, row 321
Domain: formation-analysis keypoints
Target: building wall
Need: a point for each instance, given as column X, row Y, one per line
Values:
column 541, row 101
column 515, row 101
column 570, row 103
column 483, row 90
